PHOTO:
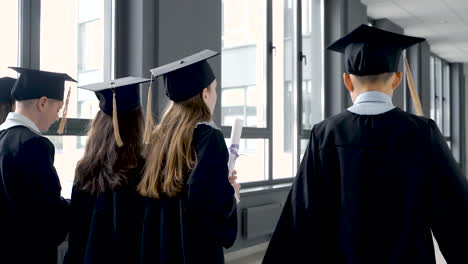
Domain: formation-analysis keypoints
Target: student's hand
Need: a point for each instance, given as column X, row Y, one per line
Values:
column 233, row 181
column 233, row 177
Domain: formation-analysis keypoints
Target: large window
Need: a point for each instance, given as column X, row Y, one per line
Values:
column 432, row 87
column 243, row 85
column 243, row 63
column 440, row 95
column 263, row 79
column 77, row 40
column 311, row 110
column 446, row 99
column 9, row 31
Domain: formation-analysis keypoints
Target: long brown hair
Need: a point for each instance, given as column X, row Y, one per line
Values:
column 105, row 166
column 5, row 108
column 171, row 154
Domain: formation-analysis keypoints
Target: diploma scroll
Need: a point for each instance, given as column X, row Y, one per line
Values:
column 234, row 148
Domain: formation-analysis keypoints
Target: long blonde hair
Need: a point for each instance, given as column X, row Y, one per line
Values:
column 170, row 153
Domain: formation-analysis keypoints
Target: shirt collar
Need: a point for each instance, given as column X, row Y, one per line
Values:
column 208, row 123
column 374, row 97
column 16, row 119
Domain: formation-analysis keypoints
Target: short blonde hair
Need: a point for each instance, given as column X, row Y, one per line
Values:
column 378, row 78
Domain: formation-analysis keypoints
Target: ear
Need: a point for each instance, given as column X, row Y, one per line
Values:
column 347, row 82
column 41, row 103
column 398, row 77
column 205, row 94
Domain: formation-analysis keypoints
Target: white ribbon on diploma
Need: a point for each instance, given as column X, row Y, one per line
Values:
column 234, row 148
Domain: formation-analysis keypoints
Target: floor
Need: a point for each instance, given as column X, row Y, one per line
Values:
column 254, row 255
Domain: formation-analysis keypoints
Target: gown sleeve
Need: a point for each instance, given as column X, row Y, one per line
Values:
column 42, row 186
column 211, row 200
column 301, row 227
column 448, row 191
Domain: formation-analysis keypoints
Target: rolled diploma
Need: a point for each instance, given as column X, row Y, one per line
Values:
column 234, row 148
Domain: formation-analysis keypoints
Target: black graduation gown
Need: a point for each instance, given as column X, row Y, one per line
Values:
column 369, row 190
column 34, row 217
column 105, row 227
column 194, row 226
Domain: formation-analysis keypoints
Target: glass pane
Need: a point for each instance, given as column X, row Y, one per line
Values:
column 304, row 144
column 9, row 32
column 68, row 150
column 312, row 46
column 432, row 76
column 438, row 93
column 74, row 41
column 446, row 100
column 243, row 62
column 252, row 163
column 283, row 90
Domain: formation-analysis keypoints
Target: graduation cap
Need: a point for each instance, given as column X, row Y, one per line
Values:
column 6, row 84
column 183, row 79
column 370, row 51
column 117, row 96
column 187, row 77
column 34, row 84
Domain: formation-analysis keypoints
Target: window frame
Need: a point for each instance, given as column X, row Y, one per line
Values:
column 30, row 20
column 299, row 133
column 440, row 91
column 29, row 56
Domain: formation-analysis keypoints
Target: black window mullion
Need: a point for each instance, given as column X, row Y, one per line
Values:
column 248, row 132
column 266, row 183
column 269, row 83
column 299, row 79
column 74, row 127
column 29, row 33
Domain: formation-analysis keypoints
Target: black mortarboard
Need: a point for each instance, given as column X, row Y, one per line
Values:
column 127, row 93
column 370, row 51
column 117, row 96
column 33, row 84
column 6, row 84
column 187, row 77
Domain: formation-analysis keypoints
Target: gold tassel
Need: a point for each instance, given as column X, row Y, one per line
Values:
column 63, row 121
column 149, row 122
column 115, row 120
column 413, row 91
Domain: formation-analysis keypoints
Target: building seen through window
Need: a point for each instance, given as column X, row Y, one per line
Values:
column 77, row 41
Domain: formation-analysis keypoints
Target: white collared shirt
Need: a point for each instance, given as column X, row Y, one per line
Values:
column 16, row 119
column 372, row 103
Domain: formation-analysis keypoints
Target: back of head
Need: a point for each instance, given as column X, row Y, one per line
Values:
column 372, row 51
column 105, row 166
column 370, row 80
column 171, row 154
